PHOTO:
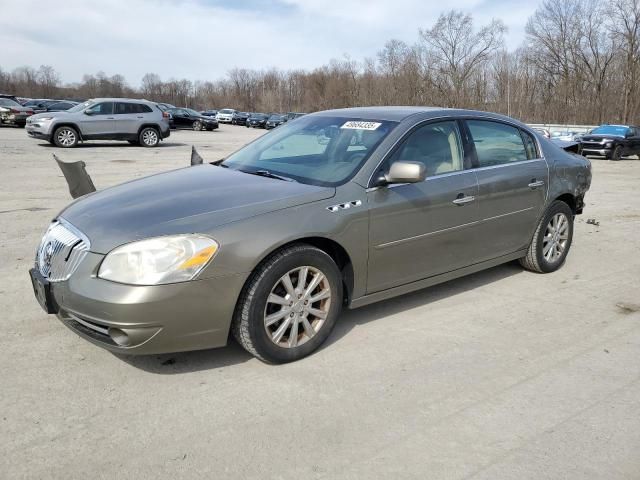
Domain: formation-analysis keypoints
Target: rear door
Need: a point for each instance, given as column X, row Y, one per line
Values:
column 424, row 229
column 98, row 121
column 126, row 115
column 513, row 179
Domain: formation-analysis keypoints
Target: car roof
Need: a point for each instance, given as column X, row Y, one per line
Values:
column 121, row 100
column 399, row 113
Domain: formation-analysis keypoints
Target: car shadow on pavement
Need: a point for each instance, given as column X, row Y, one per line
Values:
column 233, row 354
column 113, row 144
column 350, row 319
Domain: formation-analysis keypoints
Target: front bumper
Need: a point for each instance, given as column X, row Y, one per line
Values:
column 39, row 129
column 601, row 152
column 146, row 319
column 14, row 118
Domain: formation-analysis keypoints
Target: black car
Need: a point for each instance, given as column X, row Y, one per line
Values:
column 275, row 120
column 240, row 118
column 612, row 141
column 257, row 120
column 188, row 118
column 59, row 106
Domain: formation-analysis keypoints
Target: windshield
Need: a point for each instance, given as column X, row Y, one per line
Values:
column 81, row 106
column 619, row 131
column 192, row 112
column 226, row 111
column 318, row 150
column 7, row 102
column 258, row 116
column 276, row 117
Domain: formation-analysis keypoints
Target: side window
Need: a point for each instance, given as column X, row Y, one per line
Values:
column 142, row 108
column 105, row 108
column 496, row 143
column 529, row 145
column 437, row 145
column 121, row 108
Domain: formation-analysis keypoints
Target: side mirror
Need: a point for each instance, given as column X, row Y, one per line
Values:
column 88, row 112
column 405, row 172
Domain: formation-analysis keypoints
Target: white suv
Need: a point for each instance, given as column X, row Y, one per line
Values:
column 225, row 115
column 138, row 121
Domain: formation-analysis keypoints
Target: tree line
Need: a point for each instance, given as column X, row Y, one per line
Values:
column 579, row 63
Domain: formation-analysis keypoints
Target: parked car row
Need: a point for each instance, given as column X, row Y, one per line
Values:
column 612, row 142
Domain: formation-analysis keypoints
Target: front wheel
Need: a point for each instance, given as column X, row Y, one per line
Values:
column 197, row 125
column 149, row 137
column 551, row 240
column 617, row 153
column 65, row 137
column 289, row 305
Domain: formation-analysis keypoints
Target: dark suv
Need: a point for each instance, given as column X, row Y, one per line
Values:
column 612, row 141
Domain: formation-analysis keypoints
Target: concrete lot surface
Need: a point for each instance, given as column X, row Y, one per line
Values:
column 502, row 375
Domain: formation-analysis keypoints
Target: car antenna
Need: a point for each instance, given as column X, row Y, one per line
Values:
column 75, row 173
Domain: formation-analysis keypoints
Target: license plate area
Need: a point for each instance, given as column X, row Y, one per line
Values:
column 42, row 291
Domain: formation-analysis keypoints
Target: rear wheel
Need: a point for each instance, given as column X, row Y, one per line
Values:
column 289, row 305
column 551, row 240
column 65, row 137
column 149, row 137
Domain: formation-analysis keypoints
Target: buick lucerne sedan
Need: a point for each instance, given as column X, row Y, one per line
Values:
column 340, row 208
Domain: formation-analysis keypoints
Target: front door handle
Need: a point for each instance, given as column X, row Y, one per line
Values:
column 463, row 200
column 536, row 183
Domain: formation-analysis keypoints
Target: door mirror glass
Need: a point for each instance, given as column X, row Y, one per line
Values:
column 406, row 172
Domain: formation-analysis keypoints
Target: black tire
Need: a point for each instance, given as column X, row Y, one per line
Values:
column 149, row 137
column 65, row 137
column 248, row 326
column 197, row 126
column 535, row 259
column 617, row 153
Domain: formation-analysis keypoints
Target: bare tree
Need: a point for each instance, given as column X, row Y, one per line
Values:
column 456, row 51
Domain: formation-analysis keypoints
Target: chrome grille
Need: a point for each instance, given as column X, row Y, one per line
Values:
column 61, row 251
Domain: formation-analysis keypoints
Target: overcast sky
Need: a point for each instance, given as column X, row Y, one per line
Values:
column 204, row 39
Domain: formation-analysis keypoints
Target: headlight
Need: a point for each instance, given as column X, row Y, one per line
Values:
column 608, row 145
column 44, row 119
column 160, row 260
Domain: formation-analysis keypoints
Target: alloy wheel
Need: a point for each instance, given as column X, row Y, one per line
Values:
column 66, row 137
column 555, row 238
column 150, row 137
column 297, row 307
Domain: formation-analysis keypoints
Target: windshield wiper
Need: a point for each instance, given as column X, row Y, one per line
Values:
column 268, row 174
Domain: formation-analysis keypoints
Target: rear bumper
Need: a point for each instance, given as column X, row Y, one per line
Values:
column 147, row 319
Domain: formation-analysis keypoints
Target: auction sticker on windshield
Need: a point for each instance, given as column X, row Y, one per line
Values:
column 361, row 125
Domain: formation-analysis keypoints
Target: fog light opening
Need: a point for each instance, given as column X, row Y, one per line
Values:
column 119, row 336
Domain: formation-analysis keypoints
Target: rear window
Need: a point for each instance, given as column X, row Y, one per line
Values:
column 124, row 108
column 496, row 143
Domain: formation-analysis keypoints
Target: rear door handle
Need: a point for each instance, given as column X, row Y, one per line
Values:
column 536, row 183
column 463, row 200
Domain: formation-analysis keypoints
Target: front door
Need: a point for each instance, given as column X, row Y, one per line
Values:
column 423, row 229
column 98, row 121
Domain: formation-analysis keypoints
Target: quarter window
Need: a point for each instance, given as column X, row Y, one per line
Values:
column 496, row 143
column 437, row 145
column 529, row 145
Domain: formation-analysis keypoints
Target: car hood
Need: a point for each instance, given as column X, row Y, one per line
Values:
column 598, row 138
column 193, row 199
column 49, row 115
